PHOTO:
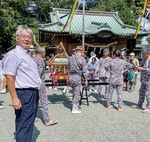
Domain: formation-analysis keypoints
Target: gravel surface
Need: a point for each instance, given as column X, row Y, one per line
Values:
column 94, row 124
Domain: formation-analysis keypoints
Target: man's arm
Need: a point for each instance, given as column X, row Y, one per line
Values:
column 141, row 68
column 11, row 87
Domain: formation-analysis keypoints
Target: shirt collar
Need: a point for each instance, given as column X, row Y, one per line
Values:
column 23, row 49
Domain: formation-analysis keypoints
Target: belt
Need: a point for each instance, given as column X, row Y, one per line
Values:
column 32, row 89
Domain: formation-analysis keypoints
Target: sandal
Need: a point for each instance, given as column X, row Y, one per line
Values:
column 109, row 107
column 146, row 111
column 119, row 109
column 51, row 122
column 135, row 106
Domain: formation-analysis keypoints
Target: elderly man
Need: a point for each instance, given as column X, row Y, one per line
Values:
column 77, row 69
column 23, row 82
column 40, row 54
column 145, row 80
column 135, row 62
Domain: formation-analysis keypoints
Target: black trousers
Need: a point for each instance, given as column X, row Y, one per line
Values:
column 25, row 117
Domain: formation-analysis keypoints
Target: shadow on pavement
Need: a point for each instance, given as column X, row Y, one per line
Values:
column 39, row 113
column 128, row 103
column 102, row 102
column 1, row 103
column 60, row 99
column 36, row 133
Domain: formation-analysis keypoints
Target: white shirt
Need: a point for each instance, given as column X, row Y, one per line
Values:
column 20, row 64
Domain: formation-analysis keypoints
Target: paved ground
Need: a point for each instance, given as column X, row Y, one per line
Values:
column 95, row 124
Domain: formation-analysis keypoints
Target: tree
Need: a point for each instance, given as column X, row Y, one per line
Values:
column 15, row 12
column 123, row 10
column 128, row 10
column 12, row 14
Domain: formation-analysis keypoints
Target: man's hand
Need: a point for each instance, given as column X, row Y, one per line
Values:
column 16, row 103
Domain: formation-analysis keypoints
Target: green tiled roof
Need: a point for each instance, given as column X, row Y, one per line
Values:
column 95, row 22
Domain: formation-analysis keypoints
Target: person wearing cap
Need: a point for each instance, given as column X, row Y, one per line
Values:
column 77, row 69
column 102, row 73
column 135, row 61
column 144, row 90
column 39, row 60
column 23, row 82
column 116, row 67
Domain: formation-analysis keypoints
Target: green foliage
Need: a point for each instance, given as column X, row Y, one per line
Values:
column 128, row 10
column 123, row 10
column 136, row 6
column 14, row 13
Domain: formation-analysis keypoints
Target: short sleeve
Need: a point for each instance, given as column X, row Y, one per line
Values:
column 10, row 64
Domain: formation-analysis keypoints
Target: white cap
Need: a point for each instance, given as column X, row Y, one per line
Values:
column 132, row 54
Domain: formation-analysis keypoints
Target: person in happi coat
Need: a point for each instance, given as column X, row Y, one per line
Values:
column 103, row 74
column 77, row 69
column 39, row 60
column 144, row 90
column 116, row 68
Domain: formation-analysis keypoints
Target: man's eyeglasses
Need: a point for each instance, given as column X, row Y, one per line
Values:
column 25, row 37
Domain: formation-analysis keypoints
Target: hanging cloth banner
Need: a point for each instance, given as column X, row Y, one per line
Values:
column 141, row 17
column 65, row 25
column 72, row 14
column 64, row 16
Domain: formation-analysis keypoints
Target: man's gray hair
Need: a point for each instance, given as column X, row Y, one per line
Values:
column 146, row 48
column 40, row 50
column 23, row 27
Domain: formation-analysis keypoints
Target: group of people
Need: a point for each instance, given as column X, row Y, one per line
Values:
column 25, row 80
column 110, row 70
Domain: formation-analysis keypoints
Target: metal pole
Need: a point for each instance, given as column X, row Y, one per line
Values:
column 83, row 36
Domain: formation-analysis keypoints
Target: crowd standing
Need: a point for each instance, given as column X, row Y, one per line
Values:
column 25, row 77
